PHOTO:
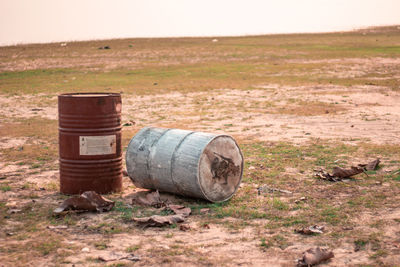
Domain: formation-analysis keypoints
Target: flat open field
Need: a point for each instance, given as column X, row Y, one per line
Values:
column 294, row 103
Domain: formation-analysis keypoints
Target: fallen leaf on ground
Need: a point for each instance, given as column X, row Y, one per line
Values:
column 159, row 221
column 206, row 226
column 314, row 229
column 314, row 256
column 116, row 256
column 300, row 200
column 180, row 210
column 87, row 201
column 338, row 173
column 184, row 227
column 146, row 198
column 371, row 166
column 346, row 173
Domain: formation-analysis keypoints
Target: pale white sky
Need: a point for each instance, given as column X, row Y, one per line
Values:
column 38, row 21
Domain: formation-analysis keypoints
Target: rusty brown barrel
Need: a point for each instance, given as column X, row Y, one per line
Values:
column 195, row 164
column 90, row 142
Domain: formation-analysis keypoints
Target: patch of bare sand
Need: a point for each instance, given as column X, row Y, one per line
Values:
column 28, row 106
column 199, row 246
column 270, row 113
column 6, row 142
column 363, row 113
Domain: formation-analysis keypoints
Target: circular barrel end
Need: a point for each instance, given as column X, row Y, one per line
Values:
column 220, row 168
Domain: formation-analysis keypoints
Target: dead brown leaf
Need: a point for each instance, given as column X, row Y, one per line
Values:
column 314, row 256
column 184, row 227
column 346, row 173
column 87, row 201
column 146, row 198
column 159, row 221
column 180, row 210
column 371, row 166
column 302, row 199
column 206, row 226
column 339, row 173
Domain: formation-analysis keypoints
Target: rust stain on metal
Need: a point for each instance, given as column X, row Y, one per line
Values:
column 90, row 142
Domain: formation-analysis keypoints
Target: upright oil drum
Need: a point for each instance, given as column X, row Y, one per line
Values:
column 90, row 142
column 188, row 163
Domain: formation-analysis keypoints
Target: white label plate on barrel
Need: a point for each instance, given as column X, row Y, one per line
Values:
column 97, row 145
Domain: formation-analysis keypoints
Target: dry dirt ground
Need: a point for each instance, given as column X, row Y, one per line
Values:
column 286, row 130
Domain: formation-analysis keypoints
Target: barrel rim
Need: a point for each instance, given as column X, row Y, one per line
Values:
column 126, row 154
column 241, row 172
column 89, row 94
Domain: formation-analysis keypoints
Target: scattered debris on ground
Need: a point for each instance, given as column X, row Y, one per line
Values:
column 314, row 256
column 57, row 227
column 371, row 166
column 87, row 201
column 129, row 123
column 181, row 213
column 116, row 256
column 302, row 199
column 148, row 198
column 179, row 210
column 311, row 230
column 184, row 227
column 339, row 174
column 266, row 189
column 13, row 211
column 159, row 221
column 204, row 210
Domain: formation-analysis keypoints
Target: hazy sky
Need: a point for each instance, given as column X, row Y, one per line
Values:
column 32, row 21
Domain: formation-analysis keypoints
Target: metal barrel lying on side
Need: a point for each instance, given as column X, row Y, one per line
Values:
column 194, row 164
column 90, row 142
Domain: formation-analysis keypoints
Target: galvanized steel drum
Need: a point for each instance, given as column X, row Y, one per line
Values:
column 188, row 163
column 90, row 142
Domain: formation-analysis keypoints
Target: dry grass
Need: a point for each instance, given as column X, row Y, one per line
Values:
column 293, row 102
